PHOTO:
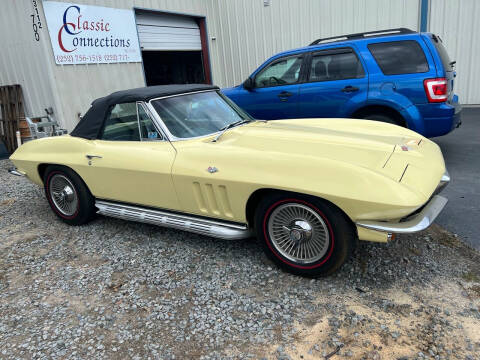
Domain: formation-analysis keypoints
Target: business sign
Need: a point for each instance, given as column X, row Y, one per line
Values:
column 83, row 34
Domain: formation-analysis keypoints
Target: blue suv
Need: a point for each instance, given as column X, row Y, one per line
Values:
column 397, row 76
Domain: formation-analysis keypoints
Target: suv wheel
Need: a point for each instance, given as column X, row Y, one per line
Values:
column 382, row 117
column 68, row 195
column 304, row 235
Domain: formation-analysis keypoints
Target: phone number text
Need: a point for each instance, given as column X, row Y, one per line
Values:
column 79, row 58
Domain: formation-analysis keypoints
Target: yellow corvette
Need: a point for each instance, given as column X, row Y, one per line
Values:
column 186, row 157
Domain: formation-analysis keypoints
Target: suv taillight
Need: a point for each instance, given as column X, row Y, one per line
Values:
column 436, row 89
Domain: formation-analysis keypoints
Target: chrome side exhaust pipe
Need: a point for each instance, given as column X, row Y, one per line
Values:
column 213, row 228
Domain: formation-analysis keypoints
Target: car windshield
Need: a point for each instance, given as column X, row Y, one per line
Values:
column 198, row 114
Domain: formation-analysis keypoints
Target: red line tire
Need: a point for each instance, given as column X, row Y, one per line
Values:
column 323, row 243
column 83, row 209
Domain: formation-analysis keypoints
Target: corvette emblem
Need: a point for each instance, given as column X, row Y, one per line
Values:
column 212, row 169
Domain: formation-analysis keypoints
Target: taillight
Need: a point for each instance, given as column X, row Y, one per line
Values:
column 436, row 89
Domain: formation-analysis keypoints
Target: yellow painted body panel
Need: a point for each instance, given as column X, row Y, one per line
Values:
column 357, row 165
column 372, row 235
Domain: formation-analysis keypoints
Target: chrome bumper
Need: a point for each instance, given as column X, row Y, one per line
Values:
column 414, row 223
column 444, row 181
column 16, row 172
column 417, row 222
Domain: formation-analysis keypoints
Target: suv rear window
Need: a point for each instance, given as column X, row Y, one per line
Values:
column 399, row 57
column 447, row 65
column 328, row 66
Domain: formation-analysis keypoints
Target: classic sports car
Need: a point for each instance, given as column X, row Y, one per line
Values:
column 186, row 157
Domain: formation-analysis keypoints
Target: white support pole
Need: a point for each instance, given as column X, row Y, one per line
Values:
column 19, row 139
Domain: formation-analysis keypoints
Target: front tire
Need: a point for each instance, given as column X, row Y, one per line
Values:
column 68, row 196
column 304, row 235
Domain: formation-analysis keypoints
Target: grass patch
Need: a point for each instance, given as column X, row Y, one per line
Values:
column 415, row 251
column 471, row 277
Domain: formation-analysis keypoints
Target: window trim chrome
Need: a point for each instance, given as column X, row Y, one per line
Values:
column 155, row 124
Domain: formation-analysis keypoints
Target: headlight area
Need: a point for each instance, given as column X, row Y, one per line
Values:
column 417, row 222
column 383, row 231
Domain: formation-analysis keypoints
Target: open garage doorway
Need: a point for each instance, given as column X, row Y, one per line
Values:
column 174, row 48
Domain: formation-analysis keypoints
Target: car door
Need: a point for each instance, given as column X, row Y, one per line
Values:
column 275, row 91
column 336, row 83
column 131, row 161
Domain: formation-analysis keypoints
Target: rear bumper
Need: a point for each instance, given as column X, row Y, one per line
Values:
column 16, row 172
column 438, row 119
column 419, row 220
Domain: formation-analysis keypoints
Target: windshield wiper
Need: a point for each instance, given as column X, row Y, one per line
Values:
column 229, row 126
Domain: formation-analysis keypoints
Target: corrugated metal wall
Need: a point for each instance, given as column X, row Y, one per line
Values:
column 456, row 21
column 246, row 33
column 23, row 60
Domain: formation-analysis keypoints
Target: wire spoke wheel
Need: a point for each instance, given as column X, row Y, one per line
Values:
column 298, row 233
column 63, row 195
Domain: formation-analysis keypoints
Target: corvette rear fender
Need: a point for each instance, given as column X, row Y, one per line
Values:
column 32, row 157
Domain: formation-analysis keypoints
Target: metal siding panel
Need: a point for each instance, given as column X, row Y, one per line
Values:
column 286, row 25
column 455, row 21
column 24, row 62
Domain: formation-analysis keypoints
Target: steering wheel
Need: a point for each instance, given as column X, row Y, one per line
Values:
column 276, row 80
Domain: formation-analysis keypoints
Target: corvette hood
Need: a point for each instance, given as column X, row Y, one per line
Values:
column 363, row 143
column 398, row 153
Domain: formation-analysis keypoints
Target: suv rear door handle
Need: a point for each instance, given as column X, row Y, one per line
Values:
column 350, row 88
column 284, row 95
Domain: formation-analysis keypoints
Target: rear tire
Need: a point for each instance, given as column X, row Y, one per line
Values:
column 382, row 117
column 304, row 235
column 68, row 195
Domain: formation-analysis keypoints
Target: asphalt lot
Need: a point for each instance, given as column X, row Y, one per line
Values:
column 461, row 149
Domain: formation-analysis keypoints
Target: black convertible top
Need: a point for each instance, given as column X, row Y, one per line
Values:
column 91, row 123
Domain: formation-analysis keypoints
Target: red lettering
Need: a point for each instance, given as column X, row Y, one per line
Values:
column 60, row 42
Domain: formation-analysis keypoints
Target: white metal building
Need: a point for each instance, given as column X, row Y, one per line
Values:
column 225, row 40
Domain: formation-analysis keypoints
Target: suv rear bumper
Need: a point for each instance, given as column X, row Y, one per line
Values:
column 438, row 119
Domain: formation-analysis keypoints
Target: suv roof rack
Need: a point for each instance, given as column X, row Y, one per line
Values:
column 386, row 32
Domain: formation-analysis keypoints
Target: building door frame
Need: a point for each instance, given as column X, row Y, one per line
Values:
column 202, row 24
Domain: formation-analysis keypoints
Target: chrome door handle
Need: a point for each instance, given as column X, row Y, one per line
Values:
column 90, row 157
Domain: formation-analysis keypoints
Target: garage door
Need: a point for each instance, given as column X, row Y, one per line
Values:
column 167, row 32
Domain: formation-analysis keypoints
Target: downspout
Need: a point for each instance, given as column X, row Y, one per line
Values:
column 424, row 4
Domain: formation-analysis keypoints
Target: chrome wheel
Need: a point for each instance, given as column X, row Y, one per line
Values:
column 298, row 233
column 63, row 195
